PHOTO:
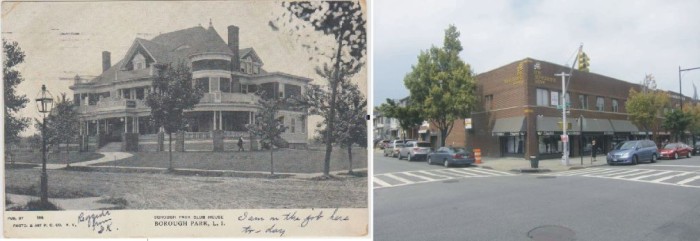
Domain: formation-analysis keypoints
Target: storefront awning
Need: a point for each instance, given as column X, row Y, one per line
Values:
column 552, row 124
column 624, row 126
column 548, row 124
column 595, row 125
column 510, row 124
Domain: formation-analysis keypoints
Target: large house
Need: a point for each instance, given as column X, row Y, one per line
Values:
column 113, row 103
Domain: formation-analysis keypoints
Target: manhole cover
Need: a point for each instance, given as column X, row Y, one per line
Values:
column 545, row 177
column 551, row 233
column 450, row 181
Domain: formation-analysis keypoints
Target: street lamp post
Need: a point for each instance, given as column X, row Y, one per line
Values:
column 680, row 87
column 44, row 103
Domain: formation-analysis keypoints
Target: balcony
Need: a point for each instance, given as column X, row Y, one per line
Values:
column 222, row 97
column 115, row 105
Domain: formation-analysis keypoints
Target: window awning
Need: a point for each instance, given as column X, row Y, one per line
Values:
column 624, row 126
column 548, row 124
column 594, row 125
column 551, row 124
column 510, row 124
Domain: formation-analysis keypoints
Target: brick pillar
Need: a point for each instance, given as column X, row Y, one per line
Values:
column 218, row 138
column 161, row 141
column 130, row 142
column 180, row 141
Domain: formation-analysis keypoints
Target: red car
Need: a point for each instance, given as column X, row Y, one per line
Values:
column 675, row 150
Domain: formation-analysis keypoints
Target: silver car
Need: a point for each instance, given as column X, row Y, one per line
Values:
column 414, row 150
column 448, row 156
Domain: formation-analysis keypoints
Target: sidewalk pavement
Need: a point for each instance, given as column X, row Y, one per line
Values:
column 515, row 164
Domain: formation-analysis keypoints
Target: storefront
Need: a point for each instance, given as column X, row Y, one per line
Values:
column 511, row 135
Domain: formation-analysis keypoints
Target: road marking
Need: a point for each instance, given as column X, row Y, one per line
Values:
column 433, row 174
column 579, row 172
column 637, row 172
column 493, row 171
column 651, row 175
column 674, row 166
column 608, row 172
column 406, row 181
column 669, row 177
column 688, row 180
column 418, row 176
column 448, row 173
column 470, row 174
column 380, row 182
column 485, row 172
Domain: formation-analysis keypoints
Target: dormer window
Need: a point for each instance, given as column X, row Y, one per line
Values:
column 139, row 62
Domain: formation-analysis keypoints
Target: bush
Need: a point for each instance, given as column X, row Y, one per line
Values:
column 36, row 205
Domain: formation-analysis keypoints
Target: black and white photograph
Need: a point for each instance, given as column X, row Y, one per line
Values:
column 246, row 114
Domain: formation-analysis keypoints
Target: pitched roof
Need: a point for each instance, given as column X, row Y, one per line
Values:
column 168, row 48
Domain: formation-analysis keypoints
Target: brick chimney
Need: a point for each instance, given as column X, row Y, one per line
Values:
column 106, row 60
column 233, row 45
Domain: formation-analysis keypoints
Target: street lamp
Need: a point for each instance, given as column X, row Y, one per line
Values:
column 680, row 87
column 44, row 103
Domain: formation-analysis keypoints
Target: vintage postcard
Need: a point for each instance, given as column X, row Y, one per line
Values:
column 185, row 119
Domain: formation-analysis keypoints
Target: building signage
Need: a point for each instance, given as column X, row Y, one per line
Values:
column 554, row 98
column 467, row 123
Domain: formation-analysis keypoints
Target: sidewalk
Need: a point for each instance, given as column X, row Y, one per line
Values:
column 522, row 165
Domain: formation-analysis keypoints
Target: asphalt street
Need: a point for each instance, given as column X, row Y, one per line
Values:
column 415, row 201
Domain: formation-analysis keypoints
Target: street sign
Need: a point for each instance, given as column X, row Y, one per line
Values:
column 565, row 138
column 568, row 125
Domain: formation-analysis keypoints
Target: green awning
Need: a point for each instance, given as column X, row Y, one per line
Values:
column 510, row 124
column 624, row 126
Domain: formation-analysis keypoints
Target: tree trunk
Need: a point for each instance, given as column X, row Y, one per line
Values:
column 443, row 136
column 170, row 151
column 331, row 117
column 67, row 155
column 350, row 158
column 272, row 163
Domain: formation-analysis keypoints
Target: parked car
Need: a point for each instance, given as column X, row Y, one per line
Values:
column 697, row 148
column 675, row 150
column 383, row 144
column 632, row 152
column 414, row 150
column 448, row 156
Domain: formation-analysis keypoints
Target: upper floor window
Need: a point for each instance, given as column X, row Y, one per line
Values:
column 614, row 105
column 139, row 62
column 293, row 124
column 600, row 103
column 583, row 100
column 542, row 97
column 225, row 85
column 488, row 102
column 554, row 98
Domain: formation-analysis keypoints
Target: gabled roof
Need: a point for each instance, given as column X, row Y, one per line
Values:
column 250, row 52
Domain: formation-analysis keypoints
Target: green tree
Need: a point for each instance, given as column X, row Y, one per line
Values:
column 173, row 94
column 351, row 128
column 677, row 122
column 12, row 56
column 407, row 115
column 268, row 126
column 345, row 22
column 645, row 108
column 441, row 85
column 693, row 110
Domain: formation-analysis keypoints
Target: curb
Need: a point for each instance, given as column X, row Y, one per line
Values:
column 530, row 170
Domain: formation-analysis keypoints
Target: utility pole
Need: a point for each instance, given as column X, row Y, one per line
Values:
column 564, row 124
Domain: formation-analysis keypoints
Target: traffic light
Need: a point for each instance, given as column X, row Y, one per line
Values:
column 583, row 63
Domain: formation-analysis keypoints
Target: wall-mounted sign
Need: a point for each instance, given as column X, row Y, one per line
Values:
column 467, row 123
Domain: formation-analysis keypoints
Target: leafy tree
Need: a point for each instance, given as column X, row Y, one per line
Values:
column 645, row 107
column 408, row 115
column 345, row 22
column 13, row 55
column 63, row 123
column 441, row 85
column 677, row 122
column 693, row 110
column 173, row 94
column 269, row 126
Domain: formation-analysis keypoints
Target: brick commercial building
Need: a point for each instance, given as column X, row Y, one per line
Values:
column 518, row 114
column 112, row 106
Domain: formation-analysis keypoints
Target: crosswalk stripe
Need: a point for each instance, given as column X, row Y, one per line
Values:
column 463, row 173
column 433, row 174
column 651, row 175
column 448, row 173
column 632, row 174
column 418, row 176
column 493, row 171
column 585, row 170
column 669, row 177
column 608, row 172
column 484, row 172
column 406, row 181
column 380, row 182
column 618, row 173
column 688, row 180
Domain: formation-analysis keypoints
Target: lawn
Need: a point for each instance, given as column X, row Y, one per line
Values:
column 55, row 158
column 286, row 160
column 168, row 191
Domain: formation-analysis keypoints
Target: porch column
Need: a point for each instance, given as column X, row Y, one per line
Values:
column 221, row 120
column 126, row 124
column 87, row 128
column 136, row 128
column 213, row 120
column 98, row 126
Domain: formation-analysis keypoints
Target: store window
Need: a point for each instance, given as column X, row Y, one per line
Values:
column 549, row 144
column 513, row 144
column 488, row 102
column 600, row 103
column 542, row 97
column 615, row 105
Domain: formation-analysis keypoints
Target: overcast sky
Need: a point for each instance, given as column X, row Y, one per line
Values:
column 624, row 39
column 62, row 39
